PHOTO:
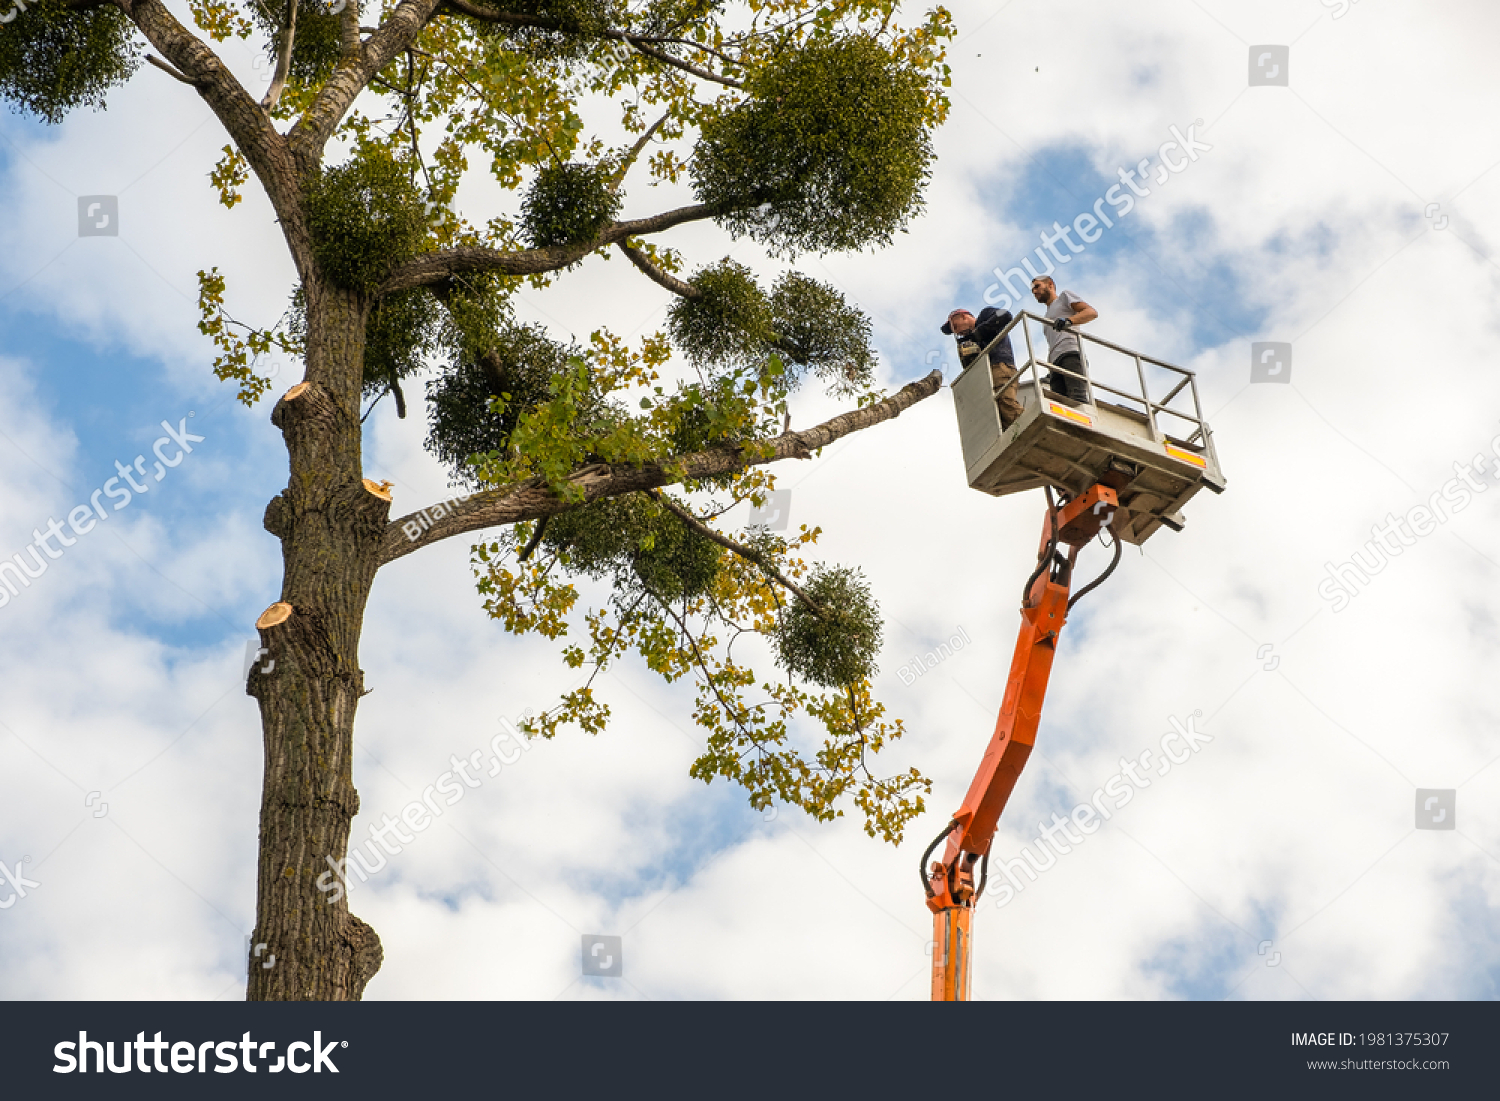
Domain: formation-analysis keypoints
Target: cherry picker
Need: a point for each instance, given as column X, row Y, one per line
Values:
column 1122, row 462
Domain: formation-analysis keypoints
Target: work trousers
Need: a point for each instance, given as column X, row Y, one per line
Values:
column 1067, row 385
column 1003, row 378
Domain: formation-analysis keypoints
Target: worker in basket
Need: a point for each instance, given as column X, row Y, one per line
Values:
column 972, row 336
column 1064, row 310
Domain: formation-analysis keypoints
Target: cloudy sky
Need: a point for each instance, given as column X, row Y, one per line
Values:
column 1341, row 202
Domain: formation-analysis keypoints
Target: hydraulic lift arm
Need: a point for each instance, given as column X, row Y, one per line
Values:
column 950, row 883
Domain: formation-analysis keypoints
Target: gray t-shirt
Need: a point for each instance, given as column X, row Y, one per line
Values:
column 1061, row 343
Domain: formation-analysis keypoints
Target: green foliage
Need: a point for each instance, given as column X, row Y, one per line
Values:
column 238, row 354
column 672, row 595
column 839, row 647
column 570, row 25
column 819, row 331
column 53, row 59
column 317, row 44
column 568, row 204
column 400, row 332
column 221, row 19
column 730, row 326
column 517, row 364
column 830, row 152
column 228, row 176
column 711, row 416
column 638, row 545
column 366, row 216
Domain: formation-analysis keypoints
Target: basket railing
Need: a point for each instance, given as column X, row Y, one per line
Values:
column 1180, row 379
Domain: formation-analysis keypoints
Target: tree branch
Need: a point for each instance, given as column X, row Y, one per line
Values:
column 533, row 499
column 242, row 118
column 535, row 541
column 730, row 712
column 635, row 41
column 313, row 130
column 662, row 40
column 635, row 151
column 171, row 72
column 671, row 282
column 283, row 58
column 677, row 62
column 749, row 554
column 436, row 267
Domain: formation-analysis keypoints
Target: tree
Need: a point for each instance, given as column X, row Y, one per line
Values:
column 808, row 130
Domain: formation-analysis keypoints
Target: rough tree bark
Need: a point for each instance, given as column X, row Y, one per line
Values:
column 308, row 683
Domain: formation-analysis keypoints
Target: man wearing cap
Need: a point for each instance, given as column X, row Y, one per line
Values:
column 1064, row 310
column 972, row 336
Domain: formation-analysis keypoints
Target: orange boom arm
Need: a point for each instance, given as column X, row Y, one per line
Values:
column 949, row 883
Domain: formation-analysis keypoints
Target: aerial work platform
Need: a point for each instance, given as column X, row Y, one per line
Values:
column 1156, row 452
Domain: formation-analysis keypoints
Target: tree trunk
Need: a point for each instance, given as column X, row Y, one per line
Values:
column 308, row 681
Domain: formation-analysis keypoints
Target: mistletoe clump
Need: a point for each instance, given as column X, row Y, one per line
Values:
column 54, row 58
column 557, row 29
column 728, row 325
column 808, row 326
column 399, row 334
column 317, row 43
column 569, row 204
column 516, row 364
column 839, row 646
column 829, row 153
column 366, row 216
column 639, row 546
column 819, row 332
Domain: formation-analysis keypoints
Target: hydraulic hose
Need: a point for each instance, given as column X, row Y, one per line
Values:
column 936, row 841
column 1094, row 584
column 1045, row 560
column 984, row 873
